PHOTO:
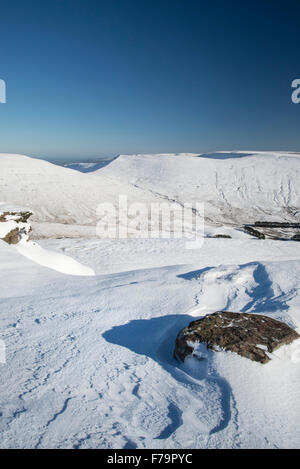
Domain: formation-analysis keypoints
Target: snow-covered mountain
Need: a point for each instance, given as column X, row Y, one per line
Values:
column 63, row 201
column 237, row 188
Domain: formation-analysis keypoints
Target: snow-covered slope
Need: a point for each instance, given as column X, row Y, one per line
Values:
column 236, row 188
column 240, row 187
column 89, row 359
column 65, row 198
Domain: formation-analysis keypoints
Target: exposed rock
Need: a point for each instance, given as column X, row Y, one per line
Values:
column 296, row 237
column 282, row 231
column 19, row 217
column 222, row 236
column 270, row 224
column 14, row 225
column 249, row 229
column 249, row 335
column 12, row 237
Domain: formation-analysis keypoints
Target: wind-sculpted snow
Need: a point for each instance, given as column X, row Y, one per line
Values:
column 52, row 260
column 89, row 359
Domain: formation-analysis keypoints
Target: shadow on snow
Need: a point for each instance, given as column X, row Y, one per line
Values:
column 155, row 338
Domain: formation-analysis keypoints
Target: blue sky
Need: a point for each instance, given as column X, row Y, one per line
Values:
column 90, row 78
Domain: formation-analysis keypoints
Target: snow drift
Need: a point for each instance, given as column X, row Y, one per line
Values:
column 89, row 359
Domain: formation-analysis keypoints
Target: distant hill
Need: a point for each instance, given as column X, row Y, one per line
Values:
column 237, row 188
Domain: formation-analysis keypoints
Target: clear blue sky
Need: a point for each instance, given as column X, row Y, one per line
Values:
column 87, row 78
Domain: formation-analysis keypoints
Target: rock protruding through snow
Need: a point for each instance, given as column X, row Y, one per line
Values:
column 250, row 335
column 15, row 228
column 274, row 230
column 14, row 225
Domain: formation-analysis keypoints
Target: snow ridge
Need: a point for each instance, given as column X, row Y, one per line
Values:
column 237, row 188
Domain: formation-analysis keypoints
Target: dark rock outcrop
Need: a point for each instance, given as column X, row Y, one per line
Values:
column 12, row 237
column 222, row 236
column 249, row 335
column 271, row 224
column 253, row 232
column 19, row 217
column 17, row 223
column 282, row 231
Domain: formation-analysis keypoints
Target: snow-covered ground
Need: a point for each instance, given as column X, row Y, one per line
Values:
column 89, row 325
column 89, row 359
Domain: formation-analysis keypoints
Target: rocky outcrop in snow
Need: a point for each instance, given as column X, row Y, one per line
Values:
column 14, row 224
column 274, row 230
column 250, row 335
column 15, row 228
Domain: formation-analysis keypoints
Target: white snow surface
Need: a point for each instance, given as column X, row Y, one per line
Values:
column 89, row 325
column 89, row 359
column 4, row 207
column 64, row 198
column 52, row 260
column 236, row 187
column 7, row 227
